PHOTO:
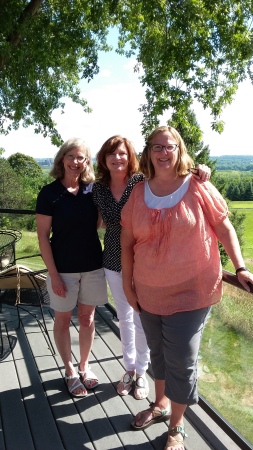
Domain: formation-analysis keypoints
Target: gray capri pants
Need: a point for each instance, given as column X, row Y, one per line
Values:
column 174, row 344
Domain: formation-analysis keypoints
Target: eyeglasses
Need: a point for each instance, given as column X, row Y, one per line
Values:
column 159, row 148
column 79, row 159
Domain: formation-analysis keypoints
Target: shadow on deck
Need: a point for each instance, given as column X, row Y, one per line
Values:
column 38, row 413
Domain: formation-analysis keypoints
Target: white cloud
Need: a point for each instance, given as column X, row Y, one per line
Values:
column 105, row 73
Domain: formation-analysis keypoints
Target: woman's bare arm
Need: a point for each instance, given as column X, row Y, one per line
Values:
column 226, row 234
column 43, row 230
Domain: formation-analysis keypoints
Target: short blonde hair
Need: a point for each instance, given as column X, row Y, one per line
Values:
column 57, row 171
column 184, row 160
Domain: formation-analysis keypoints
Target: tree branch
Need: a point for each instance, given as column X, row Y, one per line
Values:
column 30, row 10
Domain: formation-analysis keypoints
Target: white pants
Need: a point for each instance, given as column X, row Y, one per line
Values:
column 134, row 344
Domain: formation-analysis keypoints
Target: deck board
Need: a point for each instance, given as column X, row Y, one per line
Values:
column 37, row 412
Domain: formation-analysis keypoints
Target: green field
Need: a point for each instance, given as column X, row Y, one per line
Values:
column 247, row 209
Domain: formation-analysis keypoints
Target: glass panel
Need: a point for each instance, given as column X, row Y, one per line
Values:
column 226, row 359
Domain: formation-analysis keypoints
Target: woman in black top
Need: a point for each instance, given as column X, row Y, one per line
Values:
column 73, row 256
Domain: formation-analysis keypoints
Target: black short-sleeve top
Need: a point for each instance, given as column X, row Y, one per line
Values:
column 75, row 243
column 111, row 213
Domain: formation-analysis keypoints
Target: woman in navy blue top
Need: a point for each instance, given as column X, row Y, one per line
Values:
column 67, row 222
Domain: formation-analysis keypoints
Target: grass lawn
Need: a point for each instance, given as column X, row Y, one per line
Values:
column 28, row 246
column 247, row 209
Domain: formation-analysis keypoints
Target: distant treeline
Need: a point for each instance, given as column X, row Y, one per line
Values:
column 44, row 162
column 227, row 162
column 236, row 185
column 231, row 162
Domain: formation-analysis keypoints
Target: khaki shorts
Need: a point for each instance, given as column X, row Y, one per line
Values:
column 88, row 288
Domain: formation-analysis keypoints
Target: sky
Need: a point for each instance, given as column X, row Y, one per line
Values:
column 115, row 95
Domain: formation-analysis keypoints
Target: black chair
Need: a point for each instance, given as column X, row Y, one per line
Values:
column 21, row 286
column 8, row 239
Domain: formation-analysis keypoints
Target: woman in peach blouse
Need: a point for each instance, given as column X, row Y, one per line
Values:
column 171, row 271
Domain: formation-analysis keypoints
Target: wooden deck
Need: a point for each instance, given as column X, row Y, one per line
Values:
column 38, row 413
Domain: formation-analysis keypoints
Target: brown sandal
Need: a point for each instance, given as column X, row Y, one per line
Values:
column 157, row 415
column 176, row 440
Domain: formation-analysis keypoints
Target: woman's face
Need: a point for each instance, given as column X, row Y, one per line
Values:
column 74, row 162
column 117, row 161
column 164, row 151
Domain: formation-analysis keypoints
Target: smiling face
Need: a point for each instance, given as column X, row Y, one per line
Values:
column 74, row 162
column 117, row 161
column 167, row 157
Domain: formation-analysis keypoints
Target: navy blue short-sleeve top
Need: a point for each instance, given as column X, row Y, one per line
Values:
column 75, row 243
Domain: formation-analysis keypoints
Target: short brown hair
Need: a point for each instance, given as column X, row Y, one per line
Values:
column 184, row 160
column 57, row 171
column 110, row 146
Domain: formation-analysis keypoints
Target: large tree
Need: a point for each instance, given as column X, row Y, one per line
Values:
column 11, row 193
column 30, row 175
column 25, row 166
column 190, row 131
column 187, row 48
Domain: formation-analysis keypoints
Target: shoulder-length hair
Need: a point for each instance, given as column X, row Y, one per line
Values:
column 87, row 175
column 103, row 173
column 184, row 160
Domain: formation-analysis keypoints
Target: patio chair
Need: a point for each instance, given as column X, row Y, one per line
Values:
column 21, row 286
column 8, row 239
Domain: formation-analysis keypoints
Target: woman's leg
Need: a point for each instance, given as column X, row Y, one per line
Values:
column 141, row 346
column 62, row 339
column 175, row 437
column 86, row 333
column 125, row 316
column 63, row 344
column 92, row 292
column 134, row 344
column 182, row 335
column 152, row 326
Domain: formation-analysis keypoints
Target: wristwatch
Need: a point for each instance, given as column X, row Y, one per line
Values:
column 241, row 269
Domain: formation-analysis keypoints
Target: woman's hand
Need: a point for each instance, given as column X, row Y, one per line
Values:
column 245, row 277
column 132, row 299
column 204, row 172
column 58, row 285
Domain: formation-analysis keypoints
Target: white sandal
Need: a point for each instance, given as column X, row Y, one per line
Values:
column 125, row 385
column 87, row 376
column 75, row 385
column 141, row 388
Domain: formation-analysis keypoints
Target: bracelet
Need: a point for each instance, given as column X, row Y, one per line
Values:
column 241, row 269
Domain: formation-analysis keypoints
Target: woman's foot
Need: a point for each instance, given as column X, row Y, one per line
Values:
column 141, row 387
column 88, row 378
column 153, row 414
column 75, row 388
column 126, row 383
column 176, row 438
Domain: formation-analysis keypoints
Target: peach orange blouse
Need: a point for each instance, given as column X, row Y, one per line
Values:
column 176, row 258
